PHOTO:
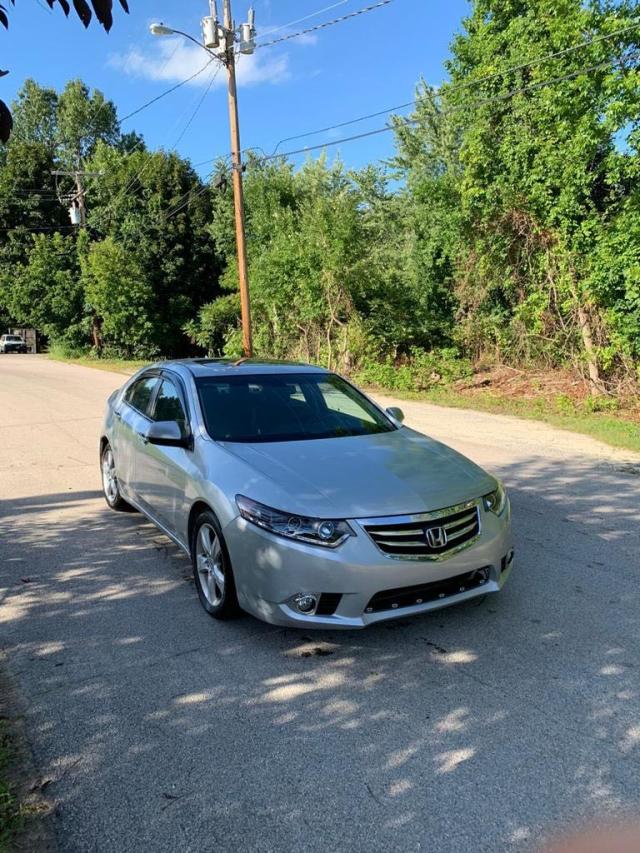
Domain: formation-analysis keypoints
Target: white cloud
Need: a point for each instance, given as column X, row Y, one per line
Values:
column 173, row 60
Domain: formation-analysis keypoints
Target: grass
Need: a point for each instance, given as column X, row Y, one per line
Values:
column 111, row 364
column 611, row 428
column 11, row 818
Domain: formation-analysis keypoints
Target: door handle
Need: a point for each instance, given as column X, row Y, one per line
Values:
column 117, row 415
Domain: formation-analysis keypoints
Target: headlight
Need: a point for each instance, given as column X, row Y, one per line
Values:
column 328, row 532
column 496, row 501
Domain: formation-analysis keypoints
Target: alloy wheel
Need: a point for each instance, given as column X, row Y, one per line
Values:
column 109, row 479
column 210, row 565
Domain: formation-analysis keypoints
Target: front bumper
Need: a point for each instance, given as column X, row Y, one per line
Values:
column 16, row 348
column 270, row 570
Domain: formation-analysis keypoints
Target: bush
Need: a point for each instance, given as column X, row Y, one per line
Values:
column 63, row 350
column 438, row 367
column 386, row 375
column 601, row 404
column 420, row 372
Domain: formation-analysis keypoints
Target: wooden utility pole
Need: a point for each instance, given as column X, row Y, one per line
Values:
column 82, row 207
column 238, row 193
column 78, row 175
column 79, row 199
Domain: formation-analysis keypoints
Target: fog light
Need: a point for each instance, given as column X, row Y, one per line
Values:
column 305, row 602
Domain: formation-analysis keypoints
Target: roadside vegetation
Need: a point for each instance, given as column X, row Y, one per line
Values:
column 87, row 359
column 11, row 819
column 504, row 235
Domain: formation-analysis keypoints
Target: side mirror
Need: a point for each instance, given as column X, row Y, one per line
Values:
column 166, row 434
column 396, row 413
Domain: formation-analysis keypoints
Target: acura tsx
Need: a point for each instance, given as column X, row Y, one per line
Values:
column 299, row 499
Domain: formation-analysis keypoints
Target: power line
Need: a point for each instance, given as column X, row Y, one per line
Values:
column 145, row 166
column 326, row 24
column 407, row 122
column 482, row 102
column 345, row 123
column 198, row 106
column 466, row 84
column 34, row 193
column 168, row 91
column 33, row 229
column 186, row 199
column 306, row 18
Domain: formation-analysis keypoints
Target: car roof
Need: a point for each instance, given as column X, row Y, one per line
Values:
column 202, row 367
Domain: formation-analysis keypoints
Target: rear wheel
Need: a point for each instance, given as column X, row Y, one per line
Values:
column 110, row 485
column 212, row 570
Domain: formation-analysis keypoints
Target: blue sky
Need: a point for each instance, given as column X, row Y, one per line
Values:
column 363, row 65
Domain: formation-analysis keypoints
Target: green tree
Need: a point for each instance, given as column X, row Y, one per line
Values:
column 82, row 119
column 117, row 292
column 45, row 291
column 156, row 207
column 35, row 116
column 325, row 269
column 428, row 163
column 542, row 174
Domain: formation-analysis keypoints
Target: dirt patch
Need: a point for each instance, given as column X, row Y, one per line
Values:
column 564, row 388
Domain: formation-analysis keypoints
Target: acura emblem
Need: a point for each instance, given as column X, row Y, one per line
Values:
column 436, row 537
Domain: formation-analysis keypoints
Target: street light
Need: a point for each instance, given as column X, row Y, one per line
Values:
column 225, row 35
column 159, row 29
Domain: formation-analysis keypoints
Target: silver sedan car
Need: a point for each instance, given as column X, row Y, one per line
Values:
column 297, row 498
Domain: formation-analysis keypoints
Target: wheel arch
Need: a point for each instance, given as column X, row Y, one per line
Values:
column 197, row 507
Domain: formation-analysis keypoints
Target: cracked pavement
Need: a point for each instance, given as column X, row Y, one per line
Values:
column 484, row 727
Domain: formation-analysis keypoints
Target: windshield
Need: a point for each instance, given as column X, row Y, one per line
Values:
column 13, row 338
column 286, row 407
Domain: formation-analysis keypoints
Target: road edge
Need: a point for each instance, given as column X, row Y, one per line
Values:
column 35, row 828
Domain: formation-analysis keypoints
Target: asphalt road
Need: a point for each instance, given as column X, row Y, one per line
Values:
column 481, row 728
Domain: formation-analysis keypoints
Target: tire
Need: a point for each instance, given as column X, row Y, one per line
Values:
column 212, row 570
column 110, row 485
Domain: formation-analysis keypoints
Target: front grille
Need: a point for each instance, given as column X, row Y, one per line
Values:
column 450, row 531
column 408, row 596
column 328, row 603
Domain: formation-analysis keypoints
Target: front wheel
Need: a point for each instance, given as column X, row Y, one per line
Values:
column 212, row 568
column 110, row 485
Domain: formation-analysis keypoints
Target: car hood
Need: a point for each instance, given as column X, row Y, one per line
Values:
column 391, row 473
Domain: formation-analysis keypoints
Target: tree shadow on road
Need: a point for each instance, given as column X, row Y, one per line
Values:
column 474, row 728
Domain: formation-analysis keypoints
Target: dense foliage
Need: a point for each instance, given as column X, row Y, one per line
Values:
column 506, row 228
column 128, row 285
